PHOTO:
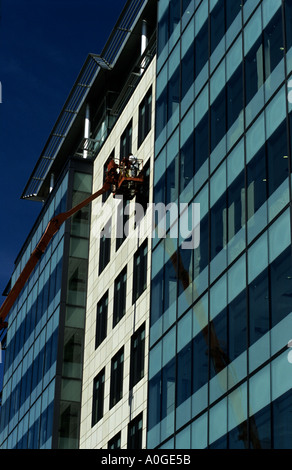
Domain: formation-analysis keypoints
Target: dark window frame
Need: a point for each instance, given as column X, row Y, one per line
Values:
column 137, row 358
column 120, row 296
column 115, row 442
column 105, row 247
column 140, row 271
column 126, row 141
column 117, row 376
column 101, row 320
column 144, row 121
column 98, row 397
column 135, row 442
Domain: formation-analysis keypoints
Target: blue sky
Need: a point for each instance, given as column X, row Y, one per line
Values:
column 43, row 45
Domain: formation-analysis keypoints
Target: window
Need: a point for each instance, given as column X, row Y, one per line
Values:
column 140, row 271
column 76, row 292
column 122, row 219
column 256, row 183
column 108, row 192
column 161, row 112
column 273, row 43
column 120, row 296
column 254, row 76
column 137, row 356
column 218, row 119
column 126, row 141
column 234, row 97
column 135, row 433
column 233, row 7
column 187, row 70
column 173, row 93
column 98, row 397
column 217, row 25
column 105, row 247
column 142, row 196
column 101, row 320
column 201, row 49
column 117, row 369
column 144, row 125
column 288, row 16
column 115, row 442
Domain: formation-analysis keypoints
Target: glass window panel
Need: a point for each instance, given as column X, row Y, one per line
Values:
column 155, row 363
column 168, row 394
column 279, row 236
column 256, row 183
column 236, row 278
column 253, row 29
column 277, row 153
column 183, row 439
column 217, row 24
column 218, row 340
column 217, row 82
column 259, row 390
column 282, row 424
column 200, row 360
column 187, row 70
column 174, row 15
column 281, row 286
column 82, row 182
column 218, row 227
column 273, row 43
column 184, row 331
column 200, row 432
column 168, row 348
column 235, row 162
column 234, row 57
column 257, row 257
column 201, row 47
column 78, row 248
column 269, row 10
column 237, row 325
column 233, row 7
column 218, row 119
column 184, row 374
column 237, row 415
column 260, row 429
column 254, row 71
column 255, row 138
column 218, row 296
column 259, row 318
column 275, row 112
column 288, row 17
column 234, row 97
column 218, row 421
column 201, row 143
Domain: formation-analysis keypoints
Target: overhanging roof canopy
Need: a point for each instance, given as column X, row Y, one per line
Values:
column 93, row 64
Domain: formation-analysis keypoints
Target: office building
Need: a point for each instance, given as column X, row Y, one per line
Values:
column 219, row 370
column 135, row 340
column 110, row 108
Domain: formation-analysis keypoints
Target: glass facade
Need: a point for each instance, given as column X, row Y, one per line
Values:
column 32, row 342
column 221, row 313
column 43, row 360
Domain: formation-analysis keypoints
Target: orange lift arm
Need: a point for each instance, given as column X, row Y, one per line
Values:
column 52, row 228
column 117, row 180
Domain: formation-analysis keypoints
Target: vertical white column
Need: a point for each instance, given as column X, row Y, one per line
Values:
column 52, row 182
column 86, row 130
column 144, row 42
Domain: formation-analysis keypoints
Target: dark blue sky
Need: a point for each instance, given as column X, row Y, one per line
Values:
column 43, row 45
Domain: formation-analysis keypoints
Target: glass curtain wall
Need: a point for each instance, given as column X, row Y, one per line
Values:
column 221, row 313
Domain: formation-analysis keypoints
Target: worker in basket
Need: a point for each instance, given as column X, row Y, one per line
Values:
column 134, row 165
